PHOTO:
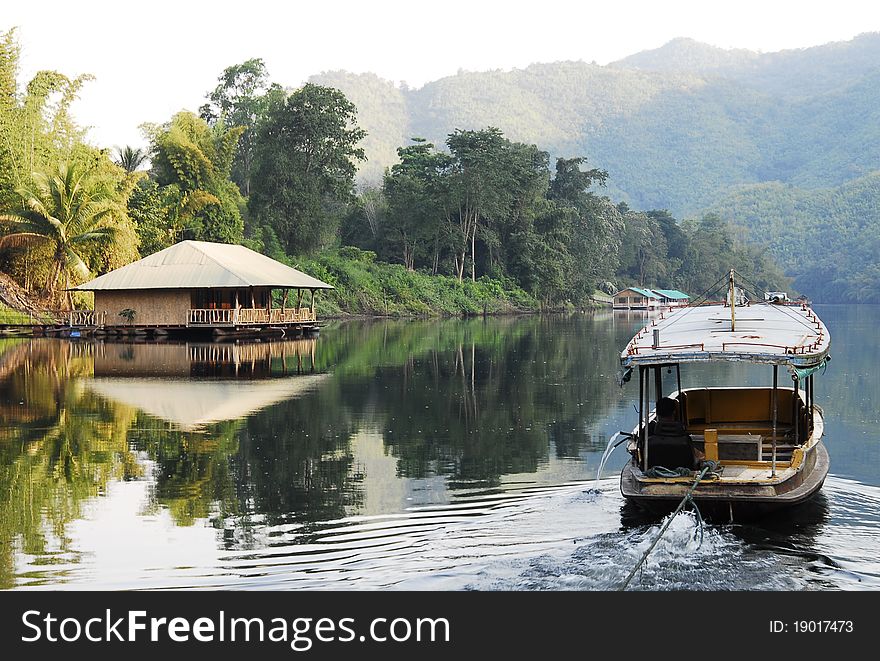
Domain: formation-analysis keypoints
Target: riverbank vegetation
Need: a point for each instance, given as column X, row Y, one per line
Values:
column 479, row 224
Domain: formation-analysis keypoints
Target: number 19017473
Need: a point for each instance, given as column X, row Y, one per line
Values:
column 812, row 626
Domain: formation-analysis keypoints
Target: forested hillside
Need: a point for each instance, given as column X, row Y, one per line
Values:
column 675, row 127
column 683, row 128
column 827, row 239
column 546, row 182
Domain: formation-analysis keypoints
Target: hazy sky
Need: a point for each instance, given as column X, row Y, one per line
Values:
column 151, row 59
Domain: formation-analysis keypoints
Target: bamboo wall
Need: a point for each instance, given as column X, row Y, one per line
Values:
column 159, row 307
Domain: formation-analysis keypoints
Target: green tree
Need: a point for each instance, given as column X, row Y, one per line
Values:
column 66, row 210
column 593, row 228
column 305, row 153
column 476, row 189
column 241, row 99
column 147, row 209
column 36, row 129
column 644, row 256
column 412, row 189
column 191, row 164
column 524, row 227
column 130, row 158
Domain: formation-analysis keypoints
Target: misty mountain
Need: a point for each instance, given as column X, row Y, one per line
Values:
column 827, row 238
column 675, row 127
column 791, row 73
column 786, row 144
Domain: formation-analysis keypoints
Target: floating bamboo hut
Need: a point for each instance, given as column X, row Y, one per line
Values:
column 202, row 286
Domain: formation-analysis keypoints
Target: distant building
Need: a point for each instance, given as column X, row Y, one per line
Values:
column 200, row 285
column 636, row 298
column 672, row 298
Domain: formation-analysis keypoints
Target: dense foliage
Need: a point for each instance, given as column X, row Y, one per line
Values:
column 682, row 128
column 63, row 203
column 305, row 153
column 827, row 239
column 483, row 223
column 491, row 207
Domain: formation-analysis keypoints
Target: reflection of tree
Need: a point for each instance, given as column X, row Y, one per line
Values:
column 475, row 399
column 485, row 404
column 471, row 400
column 295, row 463
column 193, row 477
column 59, row 447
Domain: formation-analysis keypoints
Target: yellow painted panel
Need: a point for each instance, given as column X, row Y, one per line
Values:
column 711, row 444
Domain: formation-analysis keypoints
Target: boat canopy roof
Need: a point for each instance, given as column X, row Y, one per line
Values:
column 775, row 334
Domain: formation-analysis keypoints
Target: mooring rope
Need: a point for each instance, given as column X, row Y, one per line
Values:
column 687, row 497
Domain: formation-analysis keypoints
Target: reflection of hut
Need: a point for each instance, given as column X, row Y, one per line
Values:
column 200, row 285
column 157, row 378
column 204, row 359
column 189, row 405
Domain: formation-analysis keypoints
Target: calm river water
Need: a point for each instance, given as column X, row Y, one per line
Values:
column 455, row 454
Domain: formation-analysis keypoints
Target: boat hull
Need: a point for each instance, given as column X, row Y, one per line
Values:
column 719, row 501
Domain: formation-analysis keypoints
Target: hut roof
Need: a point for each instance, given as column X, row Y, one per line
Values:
column 197, row 264
column 672, row 294
column 647, row 293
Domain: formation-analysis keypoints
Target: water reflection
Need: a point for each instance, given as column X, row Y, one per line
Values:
column 370, row 418
column 231, row 458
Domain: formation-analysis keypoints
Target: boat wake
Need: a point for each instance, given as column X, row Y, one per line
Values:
column 570, row 536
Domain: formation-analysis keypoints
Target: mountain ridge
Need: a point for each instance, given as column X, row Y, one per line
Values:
column 686, row 128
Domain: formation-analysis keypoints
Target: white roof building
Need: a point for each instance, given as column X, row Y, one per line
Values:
column 197, row 264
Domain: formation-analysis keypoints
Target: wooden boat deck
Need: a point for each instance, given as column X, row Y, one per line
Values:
column 732, row 474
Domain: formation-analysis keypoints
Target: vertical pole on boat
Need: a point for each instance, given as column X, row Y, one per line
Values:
column 796, row 395
column 775, row 400
column 732, row 304
column 643, row 443
column 810, row 401
column 807, row 404
column 678, row 383
column 658, row 384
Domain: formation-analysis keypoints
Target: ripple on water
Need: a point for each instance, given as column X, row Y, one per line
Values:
column 563, row 537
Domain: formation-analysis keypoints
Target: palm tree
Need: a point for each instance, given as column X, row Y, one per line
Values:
column 66, row 210
column 130, row 158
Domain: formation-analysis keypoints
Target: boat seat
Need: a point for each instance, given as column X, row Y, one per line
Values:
column 670, row 452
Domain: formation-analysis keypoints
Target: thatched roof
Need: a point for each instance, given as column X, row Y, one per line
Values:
column 198, row 264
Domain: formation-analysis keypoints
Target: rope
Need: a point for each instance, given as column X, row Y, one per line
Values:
column 699, row 527
column 759, row 293
column 694, row 303
column 687, row 498
column 662, row 471
column 710, row 289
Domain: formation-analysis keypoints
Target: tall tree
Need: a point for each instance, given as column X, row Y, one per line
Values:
column 644, row 254
column 304, row 154
column 476, row 189
column 240, row 99
column 192, row 163
column 67, row 211
column 522, row 222
column 36, row 129
column 594, row 227
column 412, row 188
column 130, row 158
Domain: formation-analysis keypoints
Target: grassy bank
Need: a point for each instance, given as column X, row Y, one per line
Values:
column 10, row 316
column 364, row 286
